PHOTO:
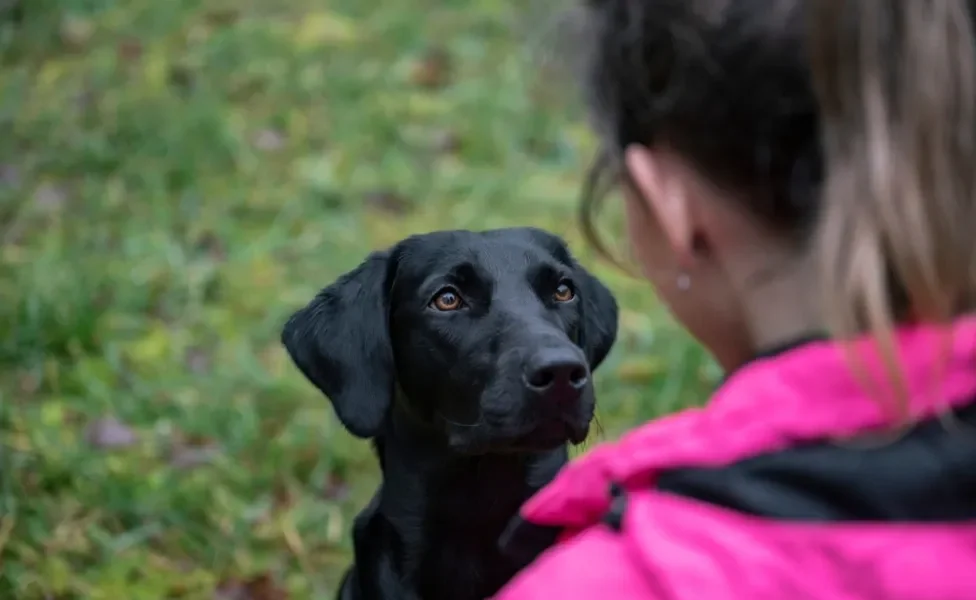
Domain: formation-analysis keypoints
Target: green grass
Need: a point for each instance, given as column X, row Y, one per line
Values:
column 176, row 178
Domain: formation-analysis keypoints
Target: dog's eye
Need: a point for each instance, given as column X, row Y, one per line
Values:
column 564, row 292
column 446, row 300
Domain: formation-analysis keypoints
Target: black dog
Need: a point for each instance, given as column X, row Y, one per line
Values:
column 466, row 358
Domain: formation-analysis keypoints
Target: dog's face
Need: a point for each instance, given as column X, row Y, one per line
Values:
column 489, row 338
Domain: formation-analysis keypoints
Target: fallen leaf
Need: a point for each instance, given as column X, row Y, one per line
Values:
column 261, row 587
column 50, row 196
column 109, row 433
column 129, row 49
column 432, row 70
column 640, row 371
column 336, row 488
column 9, row 176
column 387, row 201
column 188, row 457
column 29, row 382
column 75, row 32
column 282, row 498
column 155, row 343
column 222, row 16
column 231, row 590
column 85, row 99
column 446, row 141
column 179, row 437
column 197, row 360
column 211, row 244
column 335, row 528
column 268, row 140
column 188, row 450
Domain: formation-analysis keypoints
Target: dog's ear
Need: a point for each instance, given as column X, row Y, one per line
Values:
column 341, row 342
column 598, row 331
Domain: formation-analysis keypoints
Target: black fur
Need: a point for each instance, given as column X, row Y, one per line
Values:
column 464, row 428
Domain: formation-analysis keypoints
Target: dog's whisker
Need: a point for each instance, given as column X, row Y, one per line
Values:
column 598, row 426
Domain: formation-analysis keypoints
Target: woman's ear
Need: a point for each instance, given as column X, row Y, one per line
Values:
column 662, row 189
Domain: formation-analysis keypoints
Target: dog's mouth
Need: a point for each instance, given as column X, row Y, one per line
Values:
column 539, row 432
column 543, row 438
column 548, row 436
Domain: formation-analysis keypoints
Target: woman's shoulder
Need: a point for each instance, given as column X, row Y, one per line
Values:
column 671, row 548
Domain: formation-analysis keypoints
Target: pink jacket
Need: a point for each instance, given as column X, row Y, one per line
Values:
column 752, row 498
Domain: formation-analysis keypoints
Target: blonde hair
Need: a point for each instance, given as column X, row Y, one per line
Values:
column 850, row 124
column 896, row 82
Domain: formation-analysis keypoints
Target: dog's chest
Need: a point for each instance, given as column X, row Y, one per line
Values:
column 461, row 558
column 461, row 569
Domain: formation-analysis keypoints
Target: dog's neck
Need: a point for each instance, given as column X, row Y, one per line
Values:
column 448, row 510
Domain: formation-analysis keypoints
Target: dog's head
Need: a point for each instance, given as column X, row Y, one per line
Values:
column 488, row 338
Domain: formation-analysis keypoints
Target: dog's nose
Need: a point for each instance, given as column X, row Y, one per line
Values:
column 556, row 369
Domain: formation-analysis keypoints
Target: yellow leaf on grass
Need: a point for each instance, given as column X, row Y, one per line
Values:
column 156, row 68
column 50, row 76
column 325, row 27
column 57, row 572
column 640, row 371
column 153, row 347
column 635, row 321
column 52, row 413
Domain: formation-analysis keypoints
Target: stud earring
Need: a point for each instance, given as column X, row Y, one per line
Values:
column 684, row 282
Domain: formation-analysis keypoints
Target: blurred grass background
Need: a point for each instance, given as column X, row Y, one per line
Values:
column 177, row 177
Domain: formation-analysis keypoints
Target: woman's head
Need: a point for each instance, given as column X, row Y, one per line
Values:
column 772, row 151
